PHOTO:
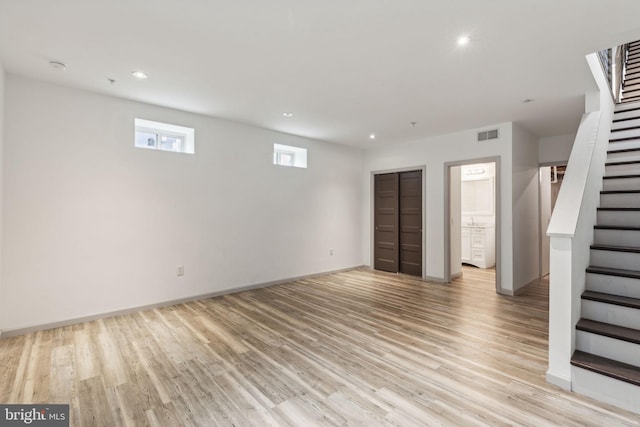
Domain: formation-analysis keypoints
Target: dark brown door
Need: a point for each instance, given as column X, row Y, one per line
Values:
column 386, row 222
column 398, row 222
column 411, row 223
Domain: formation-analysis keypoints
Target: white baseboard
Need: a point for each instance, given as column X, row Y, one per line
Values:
column 41, row 327
column 563, row 383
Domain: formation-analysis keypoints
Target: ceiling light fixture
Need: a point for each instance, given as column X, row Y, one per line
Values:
column 287, row 114
column 139, row 75
column 372, row 136
column 463, row 40
column 58, row 65
column 477, row 171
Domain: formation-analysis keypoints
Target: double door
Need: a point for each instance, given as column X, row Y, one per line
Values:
column 398, row 222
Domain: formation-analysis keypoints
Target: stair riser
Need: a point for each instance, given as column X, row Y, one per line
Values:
column 624, row 156
column 605, row 389
column 610, row 313
column 619, row 218
column 632, row 77
column 625, row 124
column 631, row 70
column 620, row 201
column 624, row 145
column 626, row 114
column 632, row 82
column 630, row 74
column 621, row 184
column 629, row 94
column 619, row 107
column 611, row 348
column 633, row 133
column 622, row 286
column 632, row 86
column 615, row 170
column 615, row 259
column 617, row 238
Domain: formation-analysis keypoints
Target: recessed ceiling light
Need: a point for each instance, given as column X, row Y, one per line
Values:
column 287, row 114
column 139, row 75
column 58, row 65
column 372, row 136
column 463, row 40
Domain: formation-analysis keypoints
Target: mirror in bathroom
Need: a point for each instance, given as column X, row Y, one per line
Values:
column 478, row 197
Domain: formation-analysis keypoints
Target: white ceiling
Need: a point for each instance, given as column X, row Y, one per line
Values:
column 346, row 68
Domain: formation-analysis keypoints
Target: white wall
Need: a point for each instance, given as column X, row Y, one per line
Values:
column 434, row 152
column 555, row 149
column 2, row 83
column 94, row 225
column 526, row 231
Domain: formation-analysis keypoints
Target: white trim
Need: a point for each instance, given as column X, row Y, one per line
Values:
column 558, row 380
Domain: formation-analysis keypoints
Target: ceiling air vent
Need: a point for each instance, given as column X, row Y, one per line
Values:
column 488, row 134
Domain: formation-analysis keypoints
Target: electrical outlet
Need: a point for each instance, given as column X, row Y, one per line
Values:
column 180, row 270
column 331, row 251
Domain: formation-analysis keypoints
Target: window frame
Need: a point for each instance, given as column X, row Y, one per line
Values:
column 298, row 156
column 185, row 134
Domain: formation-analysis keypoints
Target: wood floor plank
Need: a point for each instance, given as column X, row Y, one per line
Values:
column 357, row 348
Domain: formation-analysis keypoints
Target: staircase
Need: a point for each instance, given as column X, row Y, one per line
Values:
column 606, row 363
column 631, row 85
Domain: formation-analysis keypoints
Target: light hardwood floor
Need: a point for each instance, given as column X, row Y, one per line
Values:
column 359, row 348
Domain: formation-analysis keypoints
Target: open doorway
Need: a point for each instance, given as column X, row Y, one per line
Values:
column 472, row 224
column 550, row 180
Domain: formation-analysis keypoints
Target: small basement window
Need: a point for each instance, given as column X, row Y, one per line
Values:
column 164, row 136
column 286, row 155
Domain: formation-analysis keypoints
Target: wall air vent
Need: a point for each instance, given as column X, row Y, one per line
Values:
column 488, row 134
